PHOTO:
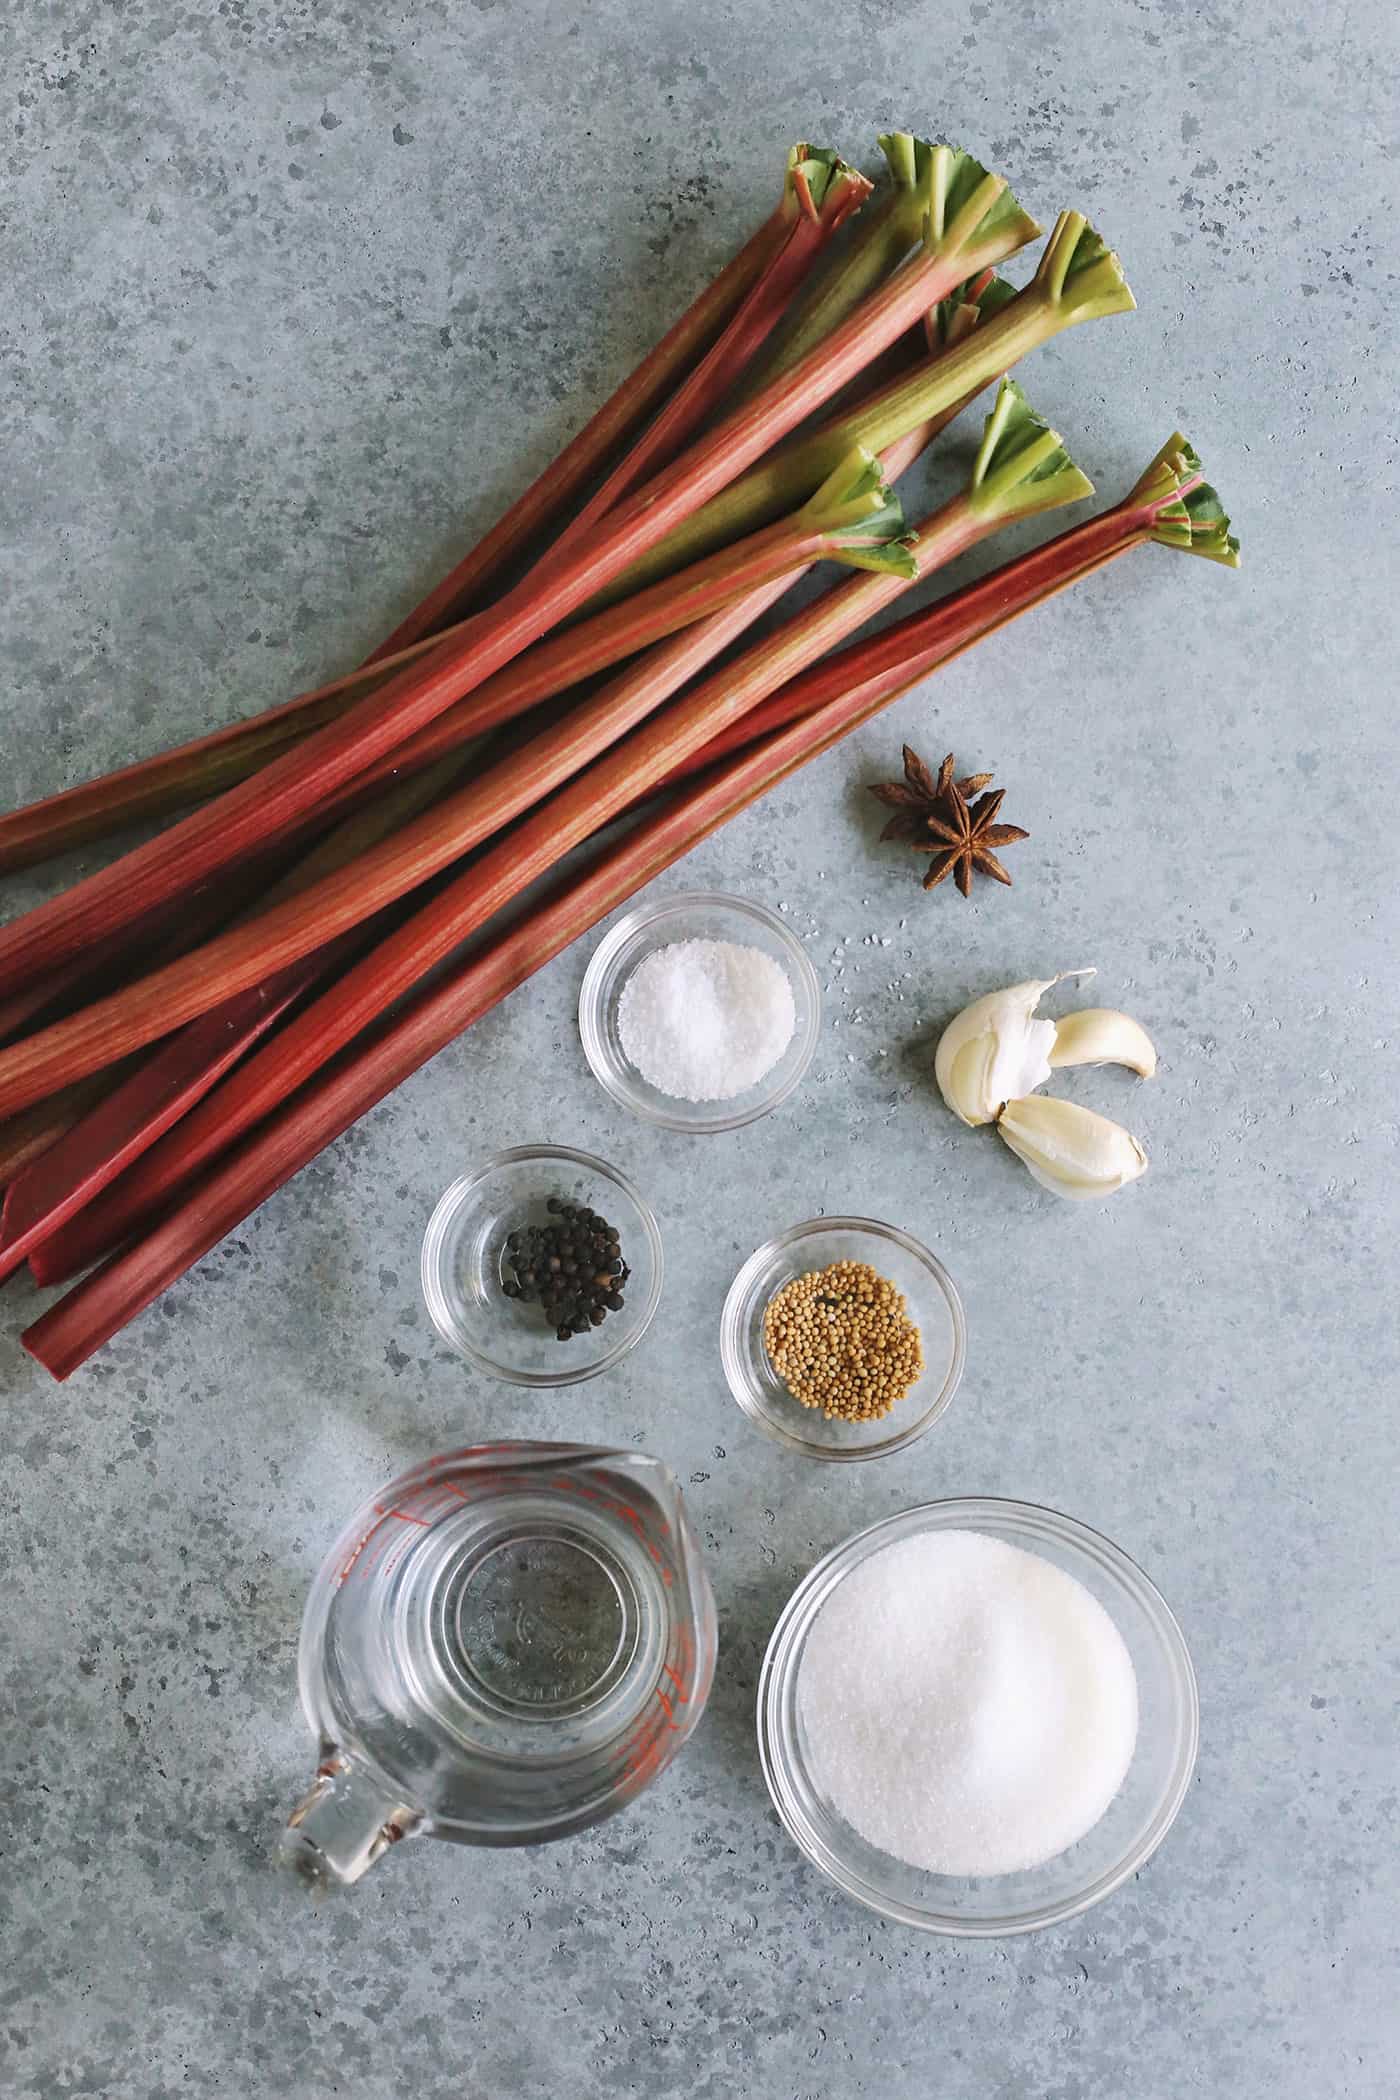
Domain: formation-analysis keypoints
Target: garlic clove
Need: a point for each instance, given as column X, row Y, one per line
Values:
column 994, row 1051
column 1070, row 1150
column 1099, row 1036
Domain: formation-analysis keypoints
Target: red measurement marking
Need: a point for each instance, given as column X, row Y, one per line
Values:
column 353, row 1555
column 406, row 1514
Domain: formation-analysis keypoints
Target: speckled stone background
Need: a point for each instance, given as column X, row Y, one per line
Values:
column 294, row 297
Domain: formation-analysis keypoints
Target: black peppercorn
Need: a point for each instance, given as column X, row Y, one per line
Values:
column 572, row 1265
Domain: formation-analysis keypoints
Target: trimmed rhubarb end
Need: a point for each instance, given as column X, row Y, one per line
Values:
column 1080, row 275
column 1185, row 510
column 860, row 515
column 977, row 300
column 970, row 209
column 1022, row 467
column 820, row 184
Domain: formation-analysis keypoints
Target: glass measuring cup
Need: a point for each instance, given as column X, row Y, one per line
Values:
column 504, row 1646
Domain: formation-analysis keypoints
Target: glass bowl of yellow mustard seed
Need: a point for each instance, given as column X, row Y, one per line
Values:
column 843, row 1338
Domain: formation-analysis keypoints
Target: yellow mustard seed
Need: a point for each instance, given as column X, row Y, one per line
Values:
column 841, row 1339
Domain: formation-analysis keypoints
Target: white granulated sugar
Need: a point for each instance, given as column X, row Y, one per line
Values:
column 969, row 1707
column 704, row 1020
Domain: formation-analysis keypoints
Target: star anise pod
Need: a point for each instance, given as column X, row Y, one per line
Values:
column 941, row 814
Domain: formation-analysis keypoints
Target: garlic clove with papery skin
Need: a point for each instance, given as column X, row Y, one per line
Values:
column 1099, row 1036
column 995, row 1050
column 1070, row 1150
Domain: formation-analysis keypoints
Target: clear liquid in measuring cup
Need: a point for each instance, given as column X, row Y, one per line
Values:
column 539, row 1622
column 511, row 1642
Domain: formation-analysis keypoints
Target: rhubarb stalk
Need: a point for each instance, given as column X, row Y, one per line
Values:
column 1021, row 468
column 195, row 771
column 27, row 1137
column 162, row 1089
column 145, row 1188
column 888, row 228
column 853, row 518
column 811, row 171
column 1078, row 279
column 827, row 193
column 973, row 222
column 1173, row 505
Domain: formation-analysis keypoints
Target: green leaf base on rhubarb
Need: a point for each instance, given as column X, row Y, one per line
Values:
column 812, row 173
column 1022, row 466
column 971, row 209
column 889, row 226
column 1185, row 510
column 860, row 515
column 978, row 299
column 1079, row 274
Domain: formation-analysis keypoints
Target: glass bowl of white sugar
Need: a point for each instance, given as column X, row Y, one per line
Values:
column 978, row 1717
column 700, row 1012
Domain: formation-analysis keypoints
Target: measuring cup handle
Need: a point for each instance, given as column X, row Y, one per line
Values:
column 345, row 1822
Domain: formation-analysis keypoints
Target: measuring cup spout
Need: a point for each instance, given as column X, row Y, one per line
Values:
column 346, row 1821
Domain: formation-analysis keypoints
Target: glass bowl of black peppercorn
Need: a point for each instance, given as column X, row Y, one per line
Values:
column 542, row 1266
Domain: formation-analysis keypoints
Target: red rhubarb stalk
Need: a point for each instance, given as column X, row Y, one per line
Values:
column 852, row 518
column 827, row 194
column 810, row 170
column 1021, row 468
column 972, row 223
column 163, row 1088
column 1171, row 504
column 206, row 766
column 146, row 1188
column 1187, row 515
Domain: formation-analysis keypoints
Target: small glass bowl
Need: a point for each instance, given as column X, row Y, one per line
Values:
column 1123, row 1839
column 464, row 1247
column 934, row 1307
column 695, row 915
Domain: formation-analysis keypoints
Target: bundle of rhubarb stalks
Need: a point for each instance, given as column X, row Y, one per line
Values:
column 318, row 915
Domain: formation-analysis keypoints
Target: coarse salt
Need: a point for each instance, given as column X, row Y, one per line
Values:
column 969, row 1707
column 705, row 1020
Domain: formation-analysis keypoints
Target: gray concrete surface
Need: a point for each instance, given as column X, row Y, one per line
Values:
column 294, row 297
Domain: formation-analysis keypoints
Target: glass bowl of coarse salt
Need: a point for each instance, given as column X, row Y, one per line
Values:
column 828, row 1257
column 700, row 1012
column 978, row 1717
